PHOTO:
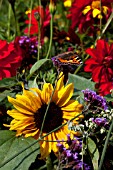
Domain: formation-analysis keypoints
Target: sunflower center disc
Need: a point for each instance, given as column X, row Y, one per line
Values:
column 53, row 118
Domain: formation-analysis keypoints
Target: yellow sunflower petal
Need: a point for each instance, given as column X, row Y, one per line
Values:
column 46, row 92
column 37, row 92
column 35, row 100
column 50, row 143
column 21, row 106
column 21, row 125
column 44, row 149
column 18, row 115
column 54, row 145
column 60, row 83
column 65, row 95
column 29, row 133
column 72, row 105
column 29, row 111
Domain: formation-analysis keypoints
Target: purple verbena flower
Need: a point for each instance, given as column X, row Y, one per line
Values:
column 60, row 147
column 100, row 121
column 71, row 157
column 94, row 99
column 28, row 44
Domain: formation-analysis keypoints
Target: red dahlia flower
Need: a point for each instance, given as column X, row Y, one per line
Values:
column 104, row 88
column 101, row 64
column 10, row 59
column 86, row 14
column 35, row 14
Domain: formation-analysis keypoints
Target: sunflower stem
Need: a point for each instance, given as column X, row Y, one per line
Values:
column 49, row 163
column 105, row 146
column 51, row 36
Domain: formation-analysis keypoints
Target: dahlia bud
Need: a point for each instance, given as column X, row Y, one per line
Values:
column 51, row 7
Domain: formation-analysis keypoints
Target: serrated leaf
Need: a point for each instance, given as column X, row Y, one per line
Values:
column 10, row 146
column 94, row 153
column 37, row 65
column 81, row 83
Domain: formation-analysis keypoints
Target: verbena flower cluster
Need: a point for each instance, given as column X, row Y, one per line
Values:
column 95, row 101
column 70, row 157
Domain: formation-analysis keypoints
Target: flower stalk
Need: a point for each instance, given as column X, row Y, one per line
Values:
column 51, row 36
column 105, row 146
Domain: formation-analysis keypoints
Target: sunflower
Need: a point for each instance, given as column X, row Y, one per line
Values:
column 30, row 109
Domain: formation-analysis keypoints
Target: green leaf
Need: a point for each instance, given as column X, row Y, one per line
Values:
column 109, row 97
column 10, row 146
column 6, row 93
column 7, row 82
column 37, row 65
column 33, row 84
column 80, row 83
column 94, row 153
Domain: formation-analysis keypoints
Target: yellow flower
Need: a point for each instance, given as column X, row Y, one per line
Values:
column 68, row 3
column 30, row 109
column 95, row 7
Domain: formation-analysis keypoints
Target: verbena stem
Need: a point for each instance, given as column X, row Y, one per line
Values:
column 105, row 146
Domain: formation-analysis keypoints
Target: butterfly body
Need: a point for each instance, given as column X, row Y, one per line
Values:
column 67, row 62
column 67, row 58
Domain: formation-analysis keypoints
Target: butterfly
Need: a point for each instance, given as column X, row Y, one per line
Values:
column 69, row 60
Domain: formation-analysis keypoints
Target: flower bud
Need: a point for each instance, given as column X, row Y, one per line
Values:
column 51, row 7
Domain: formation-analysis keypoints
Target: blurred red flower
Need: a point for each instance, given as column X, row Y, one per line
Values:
column 10, row 59
column 101, row 64
column 38, row 12
column 104, row 88
column 86, row 15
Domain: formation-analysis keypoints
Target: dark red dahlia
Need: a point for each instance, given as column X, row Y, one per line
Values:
column 38, row 12
column 10, row 59
column 86, row 15
column 101, row 65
